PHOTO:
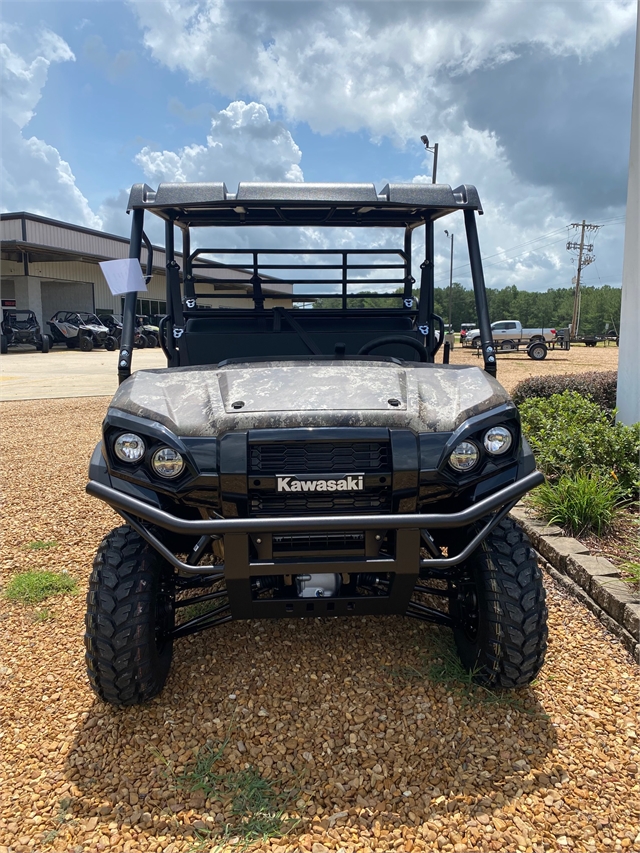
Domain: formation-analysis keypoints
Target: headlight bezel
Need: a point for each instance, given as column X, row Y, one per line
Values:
column 474, row 455
column 498, row 429
column 121, row 455
column 164, row 448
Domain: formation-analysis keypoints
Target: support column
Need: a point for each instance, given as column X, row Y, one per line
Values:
column 28, row 295
column 628, row 399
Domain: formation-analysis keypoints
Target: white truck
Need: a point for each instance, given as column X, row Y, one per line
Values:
column 511, row 331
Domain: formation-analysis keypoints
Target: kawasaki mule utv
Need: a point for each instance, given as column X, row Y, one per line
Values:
column 299, row 457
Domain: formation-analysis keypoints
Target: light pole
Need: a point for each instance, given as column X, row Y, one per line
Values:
column 450, row 236
column 434, row 150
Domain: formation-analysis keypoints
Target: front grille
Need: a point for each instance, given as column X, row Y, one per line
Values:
column 314, row 542
column 319, row 456
column 261, row 504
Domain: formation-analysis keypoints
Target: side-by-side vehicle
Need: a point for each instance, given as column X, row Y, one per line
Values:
column 295, row 460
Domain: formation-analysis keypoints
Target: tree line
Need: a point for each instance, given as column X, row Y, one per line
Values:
column 551, row 308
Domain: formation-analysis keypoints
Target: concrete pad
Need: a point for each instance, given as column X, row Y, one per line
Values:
column 31, row 375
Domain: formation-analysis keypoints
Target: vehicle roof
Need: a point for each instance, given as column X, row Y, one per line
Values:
column 287, row 204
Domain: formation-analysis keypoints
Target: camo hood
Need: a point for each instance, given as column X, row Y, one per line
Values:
column 210, row 400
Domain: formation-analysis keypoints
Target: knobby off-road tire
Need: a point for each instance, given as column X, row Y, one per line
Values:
column 130, row 617
column 499, row 611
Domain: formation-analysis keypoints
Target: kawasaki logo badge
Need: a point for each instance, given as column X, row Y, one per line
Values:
column 353, row 483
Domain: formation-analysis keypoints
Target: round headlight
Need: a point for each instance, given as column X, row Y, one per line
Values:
column 497, row 440
column 465, row 456
column 129, row 447
column 167, row 462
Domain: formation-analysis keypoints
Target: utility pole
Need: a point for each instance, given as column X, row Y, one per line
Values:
column 583, row 261
column 450, row 236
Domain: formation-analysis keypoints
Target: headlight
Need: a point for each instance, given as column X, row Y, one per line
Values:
column 129, row 447
column 167, row 462
column 465, row 456
column 497, row 440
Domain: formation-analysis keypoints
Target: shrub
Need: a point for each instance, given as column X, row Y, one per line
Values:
column 569, row 433
column 32, row 587
column 586, row 501
column 599, row 386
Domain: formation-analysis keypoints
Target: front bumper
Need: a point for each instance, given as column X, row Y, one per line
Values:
column 240, row 569
column 224, row 527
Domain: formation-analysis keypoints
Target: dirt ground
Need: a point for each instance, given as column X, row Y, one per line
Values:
column 513, row 367
column 377, row 752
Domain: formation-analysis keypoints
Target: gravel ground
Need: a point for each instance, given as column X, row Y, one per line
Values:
column 381, row 756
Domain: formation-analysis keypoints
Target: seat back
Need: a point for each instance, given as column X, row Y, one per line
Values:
column 268, row 334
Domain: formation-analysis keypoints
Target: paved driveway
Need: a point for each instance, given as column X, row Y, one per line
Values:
column 30, row 375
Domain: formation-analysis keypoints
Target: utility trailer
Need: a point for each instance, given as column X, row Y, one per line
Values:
column 296, row 461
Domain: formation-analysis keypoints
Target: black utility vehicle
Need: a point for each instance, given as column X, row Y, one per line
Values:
column 80, row 329
column 21, row 327
column 113, row 322
column 298, row 460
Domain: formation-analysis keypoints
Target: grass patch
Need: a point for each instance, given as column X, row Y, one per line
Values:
column 34, row 587
column 631, row 572
column 41, row 545
column 43, row 615
column 587, row 501
column 440, row 664
column 254, row 808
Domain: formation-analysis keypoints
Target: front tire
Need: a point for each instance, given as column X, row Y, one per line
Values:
column 499, row 611
column 4, row 345
column 130, row 619
column 86, row 343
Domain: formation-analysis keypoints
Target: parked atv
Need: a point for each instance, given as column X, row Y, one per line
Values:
column 148, row 329
column 81, row 330
column 22, row 327
column 114, row 323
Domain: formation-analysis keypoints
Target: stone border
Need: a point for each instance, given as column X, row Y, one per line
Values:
column 594, row 581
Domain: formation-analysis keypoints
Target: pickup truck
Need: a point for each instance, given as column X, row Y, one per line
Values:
column 510, row 331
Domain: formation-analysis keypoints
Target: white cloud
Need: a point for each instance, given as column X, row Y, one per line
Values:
column 34, row 175
column 364, row 65
column 244, row 144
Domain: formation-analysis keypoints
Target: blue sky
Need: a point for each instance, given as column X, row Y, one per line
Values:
column 529, row 101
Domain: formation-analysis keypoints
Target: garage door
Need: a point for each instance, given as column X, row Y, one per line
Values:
column 65, row 296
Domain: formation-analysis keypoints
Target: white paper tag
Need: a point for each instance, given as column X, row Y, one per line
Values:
column 123, row 275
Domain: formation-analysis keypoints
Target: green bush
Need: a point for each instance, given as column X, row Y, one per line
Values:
column 586, row 501
column 32, row 587
column 599, row 386
column 569, row 433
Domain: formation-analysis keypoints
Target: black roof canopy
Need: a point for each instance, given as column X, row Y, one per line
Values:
column 397, row 205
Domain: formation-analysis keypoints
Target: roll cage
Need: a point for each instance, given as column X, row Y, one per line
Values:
column 189, row 330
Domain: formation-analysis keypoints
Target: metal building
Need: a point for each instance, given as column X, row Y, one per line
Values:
column 50, row 266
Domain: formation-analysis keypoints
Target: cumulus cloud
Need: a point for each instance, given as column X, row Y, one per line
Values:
column 371, row 65
column 496, row 83
column 34, row 175
column 243, row 144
